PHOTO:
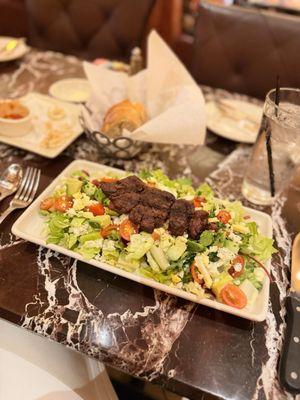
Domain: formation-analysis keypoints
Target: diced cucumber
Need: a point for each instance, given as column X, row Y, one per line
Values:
column 89, row 236
column 176, row 251
column 152, row 262
column 159, row 257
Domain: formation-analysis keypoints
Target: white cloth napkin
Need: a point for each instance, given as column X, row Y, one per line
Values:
column 173, row 100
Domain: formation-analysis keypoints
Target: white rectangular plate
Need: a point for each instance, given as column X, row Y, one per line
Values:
column 39, row 104
column 30, row 225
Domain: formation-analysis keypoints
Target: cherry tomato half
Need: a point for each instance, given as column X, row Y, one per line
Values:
column 47, row 203
column 63, row 203
column 108, row 179
column 127, row 228
column 233, row 296
column 194, row 273
column 198, row 200
column 155, row 236
column 96, row 209
column 237, row 266
column 224, row 216
column 108, row 230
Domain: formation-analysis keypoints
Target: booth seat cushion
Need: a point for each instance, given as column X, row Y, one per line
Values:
column 89, row 29
column 243, row 50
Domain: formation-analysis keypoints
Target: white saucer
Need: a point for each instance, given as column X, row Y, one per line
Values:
column 239, row 122
column 74, row 90
column 18, row 52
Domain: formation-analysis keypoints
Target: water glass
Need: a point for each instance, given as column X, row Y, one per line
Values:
column 282, row 123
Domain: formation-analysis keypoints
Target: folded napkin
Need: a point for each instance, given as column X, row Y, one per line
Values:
column 173, row 100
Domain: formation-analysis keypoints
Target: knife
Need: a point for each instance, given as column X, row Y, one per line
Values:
column 289, row 367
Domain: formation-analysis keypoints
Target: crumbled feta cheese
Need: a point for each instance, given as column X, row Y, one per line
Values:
column 213, row 266
column 71, row 212
column 108, row 245
column 235, row 238
column 213, row 249
column 119, row 219
column 79, row 230
column 225, row 254
column 238, row 267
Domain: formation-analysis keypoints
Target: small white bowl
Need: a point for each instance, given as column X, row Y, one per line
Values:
column 15, row 127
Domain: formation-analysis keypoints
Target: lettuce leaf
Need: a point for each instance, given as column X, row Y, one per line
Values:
column 206, row 238
column 205, row 190
column 260, row 246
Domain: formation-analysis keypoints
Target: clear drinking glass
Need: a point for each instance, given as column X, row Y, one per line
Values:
column 283, row 122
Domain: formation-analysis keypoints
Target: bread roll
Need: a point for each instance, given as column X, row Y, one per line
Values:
column 123, row 115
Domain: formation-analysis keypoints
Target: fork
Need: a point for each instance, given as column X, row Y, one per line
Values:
column 26, row 192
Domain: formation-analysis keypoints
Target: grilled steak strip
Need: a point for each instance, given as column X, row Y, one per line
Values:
column 180, row 215
column 198, row 223
column 150, row 208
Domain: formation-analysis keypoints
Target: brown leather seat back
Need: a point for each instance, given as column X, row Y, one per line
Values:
column 243, row 50
column 88, row 28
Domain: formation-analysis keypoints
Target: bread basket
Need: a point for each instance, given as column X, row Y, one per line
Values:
column 122, row 147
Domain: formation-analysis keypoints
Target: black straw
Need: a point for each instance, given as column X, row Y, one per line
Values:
column 268, row 139
column 270, row 161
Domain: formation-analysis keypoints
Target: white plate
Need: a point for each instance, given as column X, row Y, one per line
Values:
column 39, row 106
column 232, row 124
column 30, row 226
column 73, row 90
column 18, row 52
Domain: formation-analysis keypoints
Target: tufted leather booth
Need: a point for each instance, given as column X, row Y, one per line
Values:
column 243, row 50
column 13, row 18
column 88, row 28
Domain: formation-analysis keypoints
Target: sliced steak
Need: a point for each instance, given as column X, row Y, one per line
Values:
column 198, row 224
column 132, row 184
column 148, row 217
column 136, row 214
column 129, row 184
column 180, row 215
column 124, row 202
column 108, row 188
column 157, row 198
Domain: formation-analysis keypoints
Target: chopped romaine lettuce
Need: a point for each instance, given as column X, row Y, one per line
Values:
column 139, row 244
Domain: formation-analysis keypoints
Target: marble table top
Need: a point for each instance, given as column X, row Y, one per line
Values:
column 189, row 349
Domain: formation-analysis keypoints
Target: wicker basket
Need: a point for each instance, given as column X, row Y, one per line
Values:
column 123, row 147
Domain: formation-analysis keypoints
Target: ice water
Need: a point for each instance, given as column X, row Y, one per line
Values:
column 285, row 145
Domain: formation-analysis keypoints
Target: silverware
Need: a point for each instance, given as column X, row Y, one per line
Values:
column 26, row 192
column 289, row 367
column 10, row 180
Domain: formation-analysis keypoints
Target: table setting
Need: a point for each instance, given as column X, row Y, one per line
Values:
column 149, row 222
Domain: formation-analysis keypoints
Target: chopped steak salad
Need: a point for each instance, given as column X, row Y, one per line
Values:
column 161, row 229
